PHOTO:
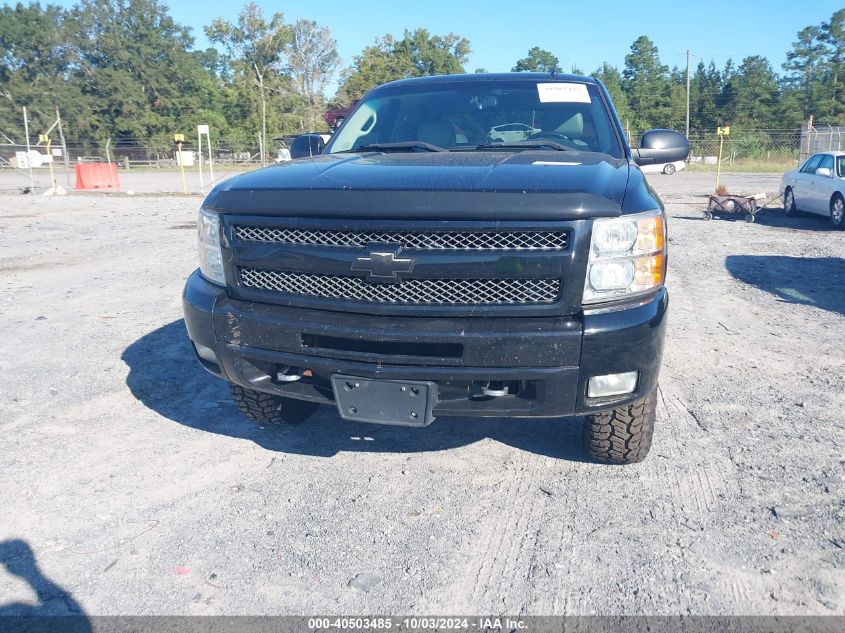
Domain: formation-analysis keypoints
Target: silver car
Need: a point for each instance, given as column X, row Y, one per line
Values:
column 817, row 187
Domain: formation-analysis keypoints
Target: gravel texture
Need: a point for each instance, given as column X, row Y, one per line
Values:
column 129, row 484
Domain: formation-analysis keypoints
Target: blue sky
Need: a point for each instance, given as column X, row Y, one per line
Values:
column 584, row 33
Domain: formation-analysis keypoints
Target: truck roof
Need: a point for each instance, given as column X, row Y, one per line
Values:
column 482, row 77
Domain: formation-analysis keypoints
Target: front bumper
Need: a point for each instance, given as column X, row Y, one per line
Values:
column 545, row 361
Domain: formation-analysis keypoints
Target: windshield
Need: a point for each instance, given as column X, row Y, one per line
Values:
column 465, row 115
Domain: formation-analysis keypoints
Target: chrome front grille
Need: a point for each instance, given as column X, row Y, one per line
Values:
column 430, row 240
column 409, row 291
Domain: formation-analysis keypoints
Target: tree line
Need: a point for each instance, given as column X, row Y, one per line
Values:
column 124, row 69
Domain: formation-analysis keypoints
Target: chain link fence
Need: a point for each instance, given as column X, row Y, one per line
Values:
column 821, row 139
column 749, row 147
column 773, row 148
column 743, row 148
column 135, row 153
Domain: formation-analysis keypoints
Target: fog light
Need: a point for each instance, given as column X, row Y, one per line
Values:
column 206, row 353
column 612, row 384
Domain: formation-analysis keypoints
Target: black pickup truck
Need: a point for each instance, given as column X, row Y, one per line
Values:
column 464, row 245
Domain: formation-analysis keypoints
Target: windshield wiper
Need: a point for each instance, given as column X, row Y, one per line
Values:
column 536, row 144
column 405, row 146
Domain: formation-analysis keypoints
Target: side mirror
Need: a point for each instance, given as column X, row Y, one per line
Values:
column 306, row 145
column 824, row 171
column 661, row 146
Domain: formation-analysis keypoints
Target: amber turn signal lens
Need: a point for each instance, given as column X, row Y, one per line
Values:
column 627, row 256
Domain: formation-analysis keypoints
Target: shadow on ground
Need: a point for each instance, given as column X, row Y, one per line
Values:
column 769, row 216
column 164, row 376
column 815, row 282
column 55, row 608
column 803, row 221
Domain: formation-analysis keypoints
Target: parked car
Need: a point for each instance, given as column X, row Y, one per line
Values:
column 282, row 144
column 512, row 132
column 408, row 269
column 660, row 164
column 818, row 187
column 336, row 116
column 664, row 168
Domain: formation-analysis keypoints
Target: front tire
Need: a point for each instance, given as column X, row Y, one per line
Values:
column 789, row 203
column 837, row 212
column 669, row 169
column 623, row 435
column 267, row 408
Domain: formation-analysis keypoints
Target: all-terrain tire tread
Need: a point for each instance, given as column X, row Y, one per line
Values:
column 623, row 435
column 267, row 408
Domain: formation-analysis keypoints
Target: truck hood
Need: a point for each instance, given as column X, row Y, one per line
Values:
column 532, row 184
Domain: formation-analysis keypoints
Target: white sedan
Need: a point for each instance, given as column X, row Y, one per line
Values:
column 512, row 132
column 663, row 168
column 817, row 187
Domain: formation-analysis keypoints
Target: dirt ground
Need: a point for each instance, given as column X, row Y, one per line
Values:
column 129, row 484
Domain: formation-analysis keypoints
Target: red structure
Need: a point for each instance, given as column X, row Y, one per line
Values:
column 97, row 176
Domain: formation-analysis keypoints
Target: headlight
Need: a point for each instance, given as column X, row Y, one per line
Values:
column 627, row 256
column 211, row 257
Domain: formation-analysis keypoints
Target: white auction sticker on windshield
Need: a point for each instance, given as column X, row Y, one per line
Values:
column 559, row 92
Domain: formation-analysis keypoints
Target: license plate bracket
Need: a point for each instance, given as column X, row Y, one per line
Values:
column 397, row 402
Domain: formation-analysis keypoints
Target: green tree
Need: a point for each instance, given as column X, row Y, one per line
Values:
column 33, row 41
column 312, row 61
column 815, row 70
column 135, row 70
column 804, row 68
column 418, row 53
column 705, row 89
column 676, row 98
column 255, row 47
column 377, row 64
column 832, row 35
column 612, row 80
column 646, row 84
column 433, row 54
column 752, row 95
column 35, row 62
column 538, row 60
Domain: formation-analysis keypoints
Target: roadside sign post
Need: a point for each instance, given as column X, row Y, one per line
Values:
column 64, row 147
column 722, row 132
column 44, row 138
column 210, row 158
column 28, row 148
column 180, row 138
column 203, row 129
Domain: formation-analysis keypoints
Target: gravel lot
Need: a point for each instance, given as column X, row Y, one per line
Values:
column 129, row 484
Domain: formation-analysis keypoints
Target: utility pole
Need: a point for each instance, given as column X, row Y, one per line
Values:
column 688, row 62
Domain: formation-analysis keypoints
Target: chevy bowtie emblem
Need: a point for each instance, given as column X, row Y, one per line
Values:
column 383, row 266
